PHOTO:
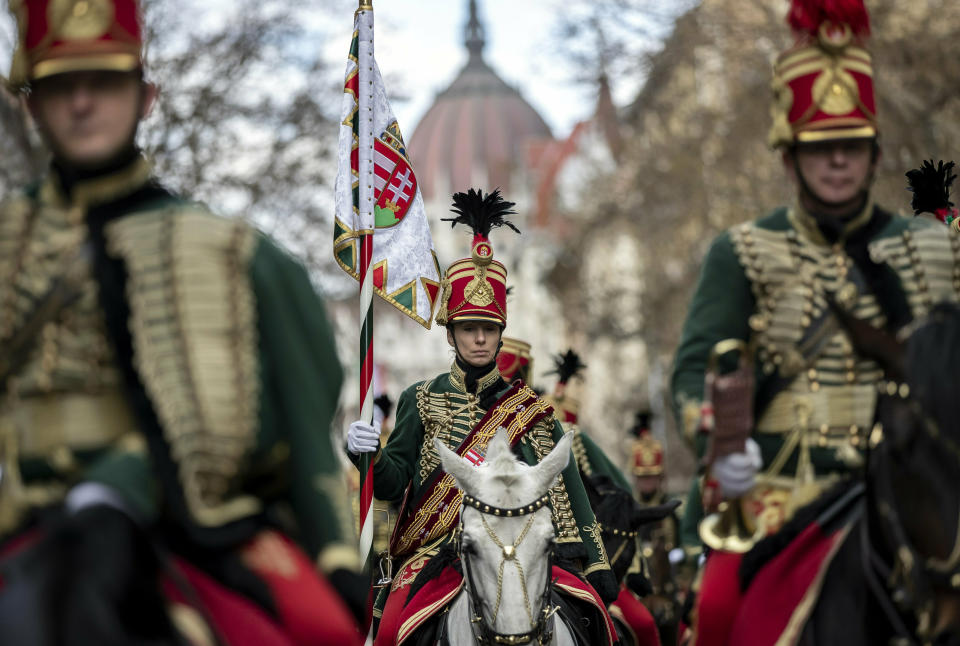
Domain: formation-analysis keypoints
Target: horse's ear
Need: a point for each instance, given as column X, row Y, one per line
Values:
column 644, row 514
column 462, row 470
column 555, row 461
column 499, row 446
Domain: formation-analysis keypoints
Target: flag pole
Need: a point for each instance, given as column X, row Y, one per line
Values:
column 365, row 117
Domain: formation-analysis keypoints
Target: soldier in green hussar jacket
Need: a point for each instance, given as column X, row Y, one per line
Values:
column 773, row 282
column 464, row 408
column 591, row 459
column 159, row 363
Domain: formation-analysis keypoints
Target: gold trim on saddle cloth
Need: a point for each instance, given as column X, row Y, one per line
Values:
column 193, row 318
column 410, row 625
column 617, row 613
column 407, row 574
column 439, row 510
column 412, row 566
column 802, row 612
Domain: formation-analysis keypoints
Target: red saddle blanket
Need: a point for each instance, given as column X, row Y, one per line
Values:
column 631, row 612
column 309, row 611
column 401, row 618
column 782, row 595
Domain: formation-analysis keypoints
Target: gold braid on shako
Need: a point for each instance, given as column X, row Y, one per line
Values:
column 475, row 288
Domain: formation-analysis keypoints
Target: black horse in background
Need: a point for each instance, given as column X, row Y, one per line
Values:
column 896, row 578
column 620, row 517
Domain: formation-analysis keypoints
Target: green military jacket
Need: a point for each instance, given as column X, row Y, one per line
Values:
column 442, row 408
column 591, row 459
column 196, row 373
column 765, row 282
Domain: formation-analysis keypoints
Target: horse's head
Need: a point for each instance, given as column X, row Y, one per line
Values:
column 914, row 464
column 621, row 517
column 507, row 533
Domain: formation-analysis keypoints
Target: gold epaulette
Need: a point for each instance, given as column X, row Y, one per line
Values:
column 193, row 319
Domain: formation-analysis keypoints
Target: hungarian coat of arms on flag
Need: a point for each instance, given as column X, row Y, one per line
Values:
column 405, row 269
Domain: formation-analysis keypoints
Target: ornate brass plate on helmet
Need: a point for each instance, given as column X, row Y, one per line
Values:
column 479, row 292
column 80, row 19
column 835, row 91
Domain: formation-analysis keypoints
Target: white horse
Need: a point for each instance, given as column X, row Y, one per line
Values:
column 506, row 542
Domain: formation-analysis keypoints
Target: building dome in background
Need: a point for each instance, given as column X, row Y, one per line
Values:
column 476, row 131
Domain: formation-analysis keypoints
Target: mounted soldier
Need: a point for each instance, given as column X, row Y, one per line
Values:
column 169, row 378
column 647, row 468
column 591, row 459
column 463, row 409
column 800, row 400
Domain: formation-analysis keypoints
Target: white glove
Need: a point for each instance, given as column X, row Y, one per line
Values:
column 677, row 555
column 363, row 437
column 737, row 472
column 92, row 494
column 377, row 415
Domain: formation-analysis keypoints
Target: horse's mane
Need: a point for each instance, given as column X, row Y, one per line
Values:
column 819, row 511
column 932, row 361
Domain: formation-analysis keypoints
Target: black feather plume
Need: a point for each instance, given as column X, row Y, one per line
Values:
column 931, row 186
column 567, row 366
column 384, row 403
column 481, row 212
column 642, row 422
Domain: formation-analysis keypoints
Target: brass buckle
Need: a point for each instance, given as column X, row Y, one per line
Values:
column 385, row 565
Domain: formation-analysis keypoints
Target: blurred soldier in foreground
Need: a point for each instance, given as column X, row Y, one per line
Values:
column 591, row 460
column 769, row 289
column 168, row 379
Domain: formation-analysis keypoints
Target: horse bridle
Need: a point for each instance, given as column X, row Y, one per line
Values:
column 628, row 536
column 483, row 631
column 908, row 566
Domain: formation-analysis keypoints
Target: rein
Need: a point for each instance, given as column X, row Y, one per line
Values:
column 483, row 631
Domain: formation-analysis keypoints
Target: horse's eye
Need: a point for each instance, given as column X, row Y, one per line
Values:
column 468, row 548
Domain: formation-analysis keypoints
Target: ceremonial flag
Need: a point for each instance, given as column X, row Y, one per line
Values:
column 404, row 264
column 381, row 236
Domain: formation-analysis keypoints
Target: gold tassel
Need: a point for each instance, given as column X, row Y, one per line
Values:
column 442, row 313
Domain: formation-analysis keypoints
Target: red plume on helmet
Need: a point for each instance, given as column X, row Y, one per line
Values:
column 807, row 16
